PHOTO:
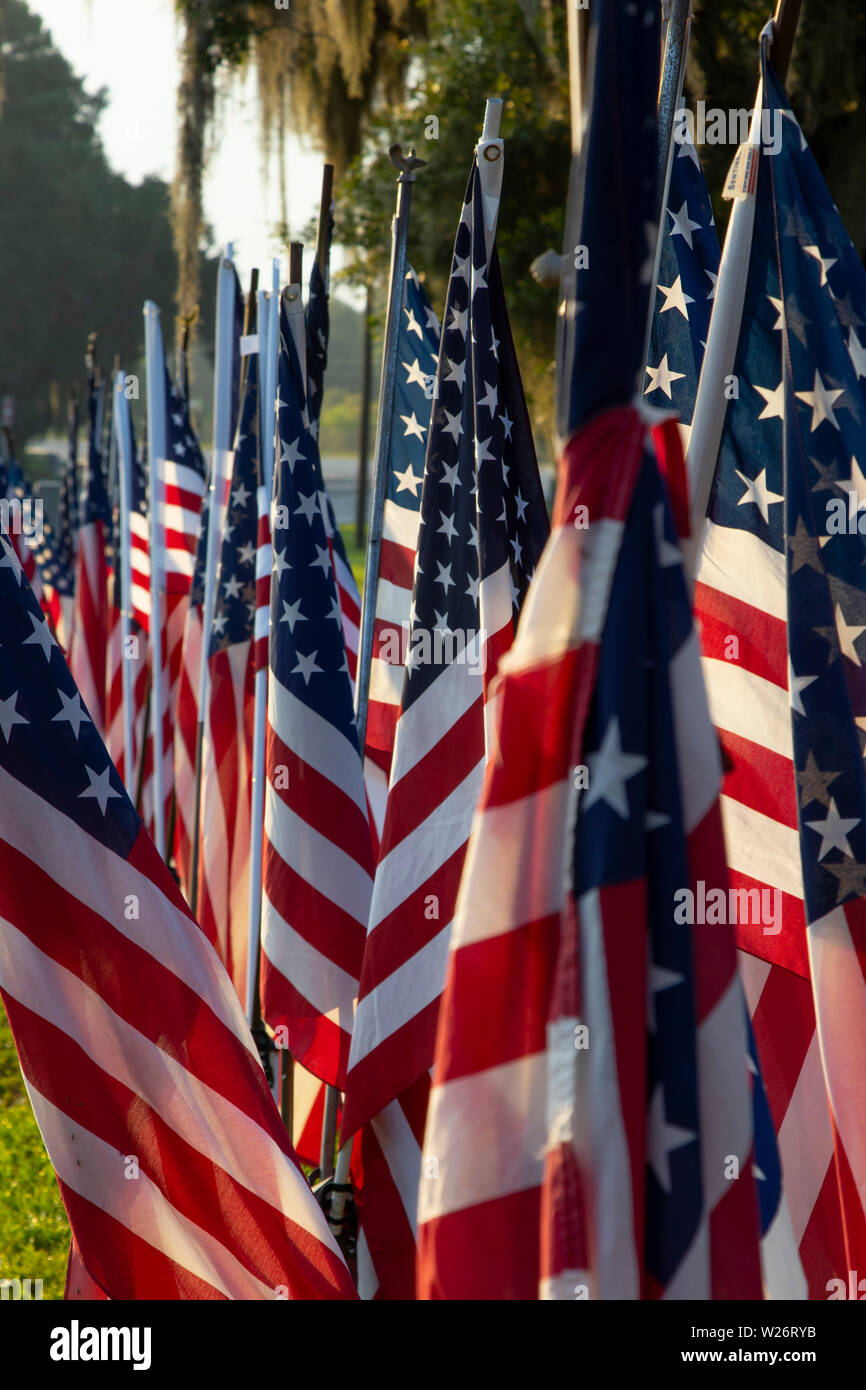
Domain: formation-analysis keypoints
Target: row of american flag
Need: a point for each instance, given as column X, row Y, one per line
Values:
column 552, row 1084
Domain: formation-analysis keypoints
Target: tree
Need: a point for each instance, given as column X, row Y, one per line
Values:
column 82, row 248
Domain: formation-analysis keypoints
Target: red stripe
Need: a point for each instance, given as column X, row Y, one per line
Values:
column 319, row 802
column 316, row 1042
column 760, row 779
column 333, row 932
column 421, row 791
column 399, row 1061
column 503, row 1263
column 761, row 640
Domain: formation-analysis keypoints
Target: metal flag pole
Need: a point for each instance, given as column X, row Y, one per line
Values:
column 580, row 88
column 711, row 405
column 323, row 236
column 123, row 437
column 156, row 448
column 221, row 448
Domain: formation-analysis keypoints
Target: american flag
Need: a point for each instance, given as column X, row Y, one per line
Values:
column 417, row 355
column 181, row 481
column 688, row 271
column 92, row 620
column 591, row 1073
column 483, row 525
column 55, row 554
column 137, row 653
column 17, row 488
column 317, row 331
column 227, row 750
column 186, row 717
column 176, row 1173
column 318, row 857
column 780, row 597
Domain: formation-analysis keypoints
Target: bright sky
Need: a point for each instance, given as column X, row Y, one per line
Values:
column 130, row 47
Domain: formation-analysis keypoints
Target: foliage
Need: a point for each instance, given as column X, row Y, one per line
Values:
column 82, row 248
column 34, row 1233
column 517, row 58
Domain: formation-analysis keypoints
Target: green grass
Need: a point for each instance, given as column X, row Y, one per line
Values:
column 34, row 1232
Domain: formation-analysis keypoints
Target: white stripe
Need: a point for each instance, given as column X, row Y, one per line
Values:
column 429, row 718
column 400, row 525
column 328, row 988
column 95, row 1171
column 322, row 747
column 740, row 565
column 761, row 847
column 403, row 1156
column 840, row 1011
column 749, row 706
column 386, row 682
column 393, row 603
column 513, row 871
column 402, row 995
column 182, row 476
column 425, row 849
column 213, row 1125
column 723, row 1092
column 316, row 859
column 96, row 876
column 601, row 1123
column 806, row 1141
column 488, row 1133
column 697, row 748
column 175, row 518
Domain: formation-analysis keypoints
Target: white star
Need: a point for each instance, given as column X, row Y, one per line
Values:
column 407, row 482
column 9, row 715
column 491, row 398
column 444, row 577
column 478, row 280
column 454, row 426
column 482, row 453
column 714, row 279
column 758, row 492
column 458, row 320
column 72, row 711
column 447, row 527
column 457, row 372
column 661, row 378
column 232, row 587
column 292, row 614
column 683, row 225
column 779, row 306
column 9, row 560
column 774, row 407
column 609, row 770
column 308, row 506
column 99, row 789
column 857, row 353
column 450, row 478
column 834, row 831
column 247, row 553
column 795, row 685
column 291, row 452
column 675, row 298
column 472, row 587
column 306, row 666
column 219, row 624
column 506, row 424
column 824, row 263
column 322, row 560
column 663, row 1139
column 240, row 496
column 413, row 325
column 280, row 562
column 40, row 636
column 847, row 634
column 521, row 505
column 517, row 548
column 461, row 268
column 413, row 426
column 822, row 401
column 415, row 374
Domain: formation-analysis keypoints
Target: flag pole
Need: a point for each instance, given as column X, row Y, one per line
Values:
column 123, row 437
column 579, row 70
column 325, row 228
column 222, row 418
column 156, row 437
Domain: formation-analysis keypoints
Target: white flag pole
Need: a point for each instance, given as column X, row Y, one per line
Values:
column 156, row 449
column 268, row 307
column 221, row 448
column 123, row 440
